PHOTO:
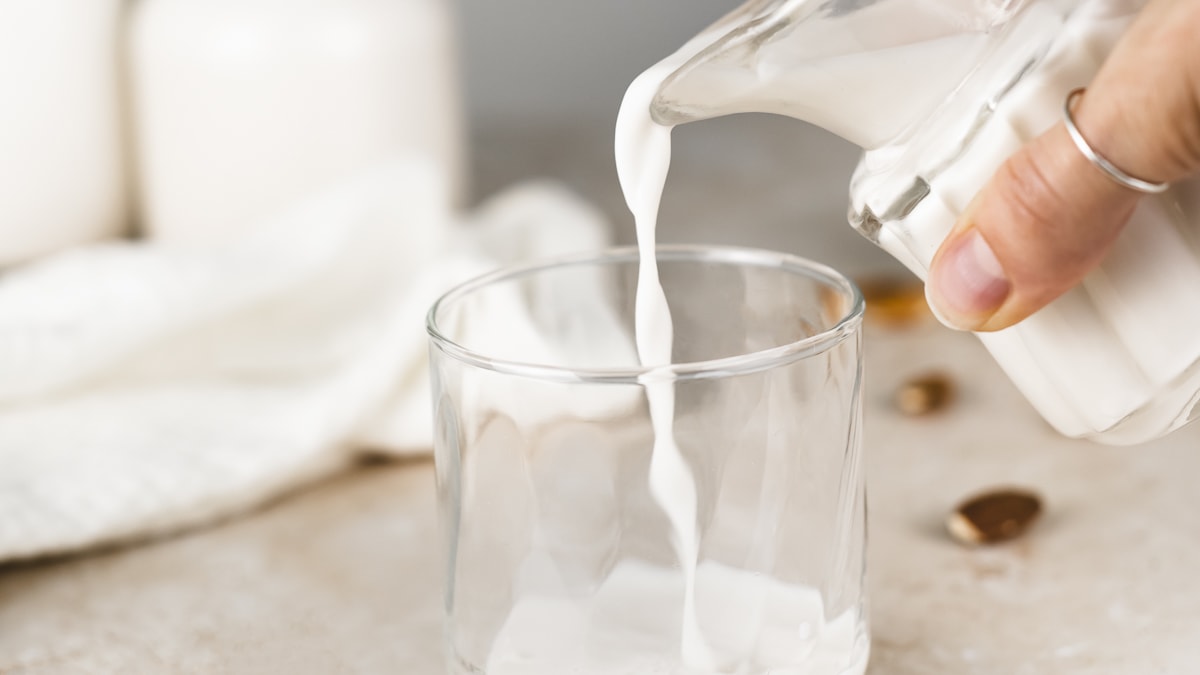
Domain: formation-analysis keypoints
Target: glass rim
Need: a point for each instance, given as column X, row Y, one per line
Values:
column 726, row 366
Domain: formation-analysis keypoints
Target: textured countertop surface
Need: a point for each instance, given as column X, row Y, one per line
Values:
column 345, row 577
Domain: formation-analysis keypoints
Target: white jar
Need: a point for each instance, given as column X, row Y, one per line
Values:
column 243, row 107
column 62, row 164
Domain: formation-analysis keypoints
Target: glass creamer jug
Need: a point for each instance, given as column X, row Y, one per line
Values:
column 939, row 93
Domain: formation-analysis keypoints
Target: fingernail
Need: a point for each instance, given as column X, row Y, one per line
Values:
column 968, row 284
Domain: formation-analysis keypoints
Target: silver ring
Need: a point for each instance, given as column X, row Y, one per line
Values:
column 1098, row 161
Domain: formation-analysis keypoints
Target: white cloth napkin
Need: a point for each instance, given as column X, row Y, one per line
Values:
column 144, row 389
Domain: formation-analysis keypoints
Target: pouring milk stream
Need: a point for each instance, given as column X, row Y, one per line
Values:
column 643, row 153
column 939, row 94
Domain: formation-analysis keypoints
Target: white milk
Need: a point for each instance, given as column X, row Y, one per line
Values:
column 643, row 151
column 855, row 75
column 631, row 627
column 643, row 155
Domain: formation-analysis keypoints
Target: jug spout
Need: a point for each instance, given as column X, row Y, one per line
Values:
column 866, row 70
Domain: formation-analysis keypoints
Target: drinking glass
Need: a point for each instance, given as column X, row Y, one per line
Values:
column 561, row 554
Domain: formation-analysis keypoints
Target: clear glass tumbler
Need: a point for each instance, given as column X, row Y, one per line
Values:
column 561, row 558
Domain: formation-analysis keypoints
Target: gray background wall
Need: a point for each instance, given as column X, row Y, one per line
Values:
column 544, row 59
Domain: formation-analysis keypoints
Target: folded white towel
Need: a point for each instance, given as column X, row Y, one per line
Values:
column 143, row 389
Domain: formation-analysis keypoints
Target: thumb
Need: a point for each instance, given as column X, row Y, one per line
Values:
column 1048, row 216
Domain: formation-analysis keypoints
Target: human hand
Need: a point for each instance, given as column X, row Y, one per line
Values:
column 1048, row 216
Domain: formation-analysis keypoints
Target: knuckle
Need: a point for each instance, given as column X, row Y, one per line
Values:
column 1032, row 197
column 1049, row 220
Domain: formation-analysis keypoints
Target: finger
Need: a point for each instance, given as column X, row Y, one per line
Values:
column 1048, row 216
column 1035, row 230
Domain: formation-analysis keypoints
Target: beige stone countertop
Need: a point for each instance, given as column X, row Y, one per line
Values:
column 346, row 578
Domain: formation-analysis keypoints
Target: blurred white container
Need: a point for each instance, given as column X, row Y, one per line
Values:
column 62, row 168
column 243, row 107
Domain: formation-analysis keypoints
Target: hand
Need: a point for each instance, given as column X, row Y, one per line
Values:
column 1048, row 216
